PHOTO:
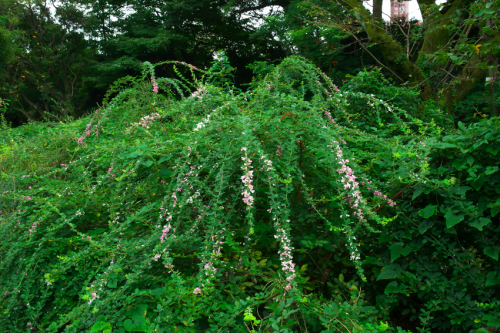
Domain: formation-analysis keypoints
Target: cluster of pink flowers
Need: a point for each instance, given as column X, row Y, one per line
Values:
column 165, row 231
column 146, row 120
column 279, row 151
column 382, row 196
column 247, row 180
column 33, row 227
column 88, row 237
column 350, row 183
column 285, row 252
column 88, row 130
column 155, row 85
column 329, row 116
column 327, row 92
column 93, row 296
column 198, row 93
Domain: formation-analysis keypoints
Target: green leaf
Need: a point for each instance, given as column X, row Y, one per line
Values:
column 113, row 283
column 148, row 163
column 389, row 272
column 101, row 325
column 159, row 291
column 492, row 320
column 490, row 170
column 492, row 279
column 477, row 184
column 427, row 211
column 391, row 288
column 138, row 320
column 396, row 250
column 480, row 223
column 424, row 226
column 493, row 149
column 165, row 172
column 492, row 251
column 461, row 126
column 482, row 330
column 418, row 191
column 452, row 218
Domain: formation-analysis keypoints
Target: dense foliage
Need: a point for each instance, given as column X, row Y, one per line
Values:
column 58, row 58
column 188, row 205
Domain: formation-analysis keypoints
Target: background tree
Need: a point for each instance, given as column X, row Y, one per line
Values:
column 45, row 76
column 459, row 43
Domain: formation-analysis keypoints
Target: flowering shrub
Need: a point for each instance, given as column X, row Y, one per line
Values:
column 211, row 210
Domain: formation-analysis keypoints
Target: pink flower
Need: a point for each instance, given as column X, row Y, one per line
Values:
column 197, row 291
column 155, row 85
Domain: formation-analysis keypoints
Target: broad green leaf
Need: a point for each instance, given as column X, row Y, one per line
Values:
column 480, row 223
column 492, row 279
column 159, row 291
column 424, row 226
column 493, row 149
column 389, row 272
column 138, row 320
column 113, row 283
column 418, row 191
column 392, row 287
column 490, row 170
column 492, row 251
column 427, row 211
column 477, row 184
column 492, row 320
column 101, row 325
column 165, row 172
column 460, row 190
column 461, row 126
column 452, row 218
column 148, row 163
column 396, row 250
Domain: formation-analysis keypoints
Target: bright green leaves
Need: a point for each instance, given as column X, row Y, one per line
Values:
column 427, row 211
column 391, row 271
column 398, row 249
column 250, row 317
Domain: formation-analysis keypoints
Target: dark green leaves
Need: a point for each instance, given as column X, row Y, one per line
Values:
column 398, row 249
column 389, row 272
column 492, row 252
column 492, row 279
column 453, row 217
column 424, row 226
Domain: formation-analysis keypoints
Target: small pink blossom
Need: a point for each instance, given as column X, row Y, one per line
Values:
column 197, row 291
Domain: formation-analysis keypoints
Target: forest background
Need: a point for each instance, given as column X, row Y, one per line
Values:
column 415, row 104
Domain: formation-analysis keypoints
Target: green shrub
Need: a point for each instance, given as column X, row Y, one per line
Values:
column 202, row 209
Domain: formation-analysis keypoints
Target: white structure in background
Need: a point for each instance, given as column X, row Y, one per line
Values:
column 400, row 10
